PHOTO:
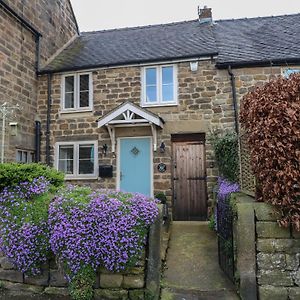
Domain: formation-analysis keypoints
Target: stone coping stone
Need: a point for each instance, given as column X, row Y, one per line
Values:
column 266, row 212
column 271, row 230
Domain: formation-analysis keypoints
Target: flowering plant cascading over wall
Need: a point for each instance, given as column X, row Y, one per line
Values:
column 24, row 234
column 110, row 226
column 104, row 228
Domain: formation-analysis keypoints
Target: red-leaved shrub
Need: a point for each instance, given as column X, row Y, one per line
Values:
column 270, row 115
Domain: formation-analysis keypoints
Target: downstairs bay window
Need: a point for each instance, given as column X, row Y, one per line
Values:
column 78, row 160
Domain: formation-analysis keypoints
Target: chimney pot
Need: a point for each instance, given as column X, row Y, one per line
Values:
column 205, row 14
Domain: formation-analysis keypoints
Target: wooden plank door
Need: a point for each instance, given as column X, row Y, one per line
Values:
column 189, row 181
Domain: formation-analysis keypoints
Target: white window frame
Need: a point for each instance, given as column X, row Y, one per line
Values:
column 77, row 107
column 159, row 101
column 30, row 156
column 76, row 145
column 292, row 71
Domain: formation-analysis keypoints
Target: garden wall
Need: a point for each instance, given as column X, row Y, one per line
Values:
column 267, row 256
column 139, row 282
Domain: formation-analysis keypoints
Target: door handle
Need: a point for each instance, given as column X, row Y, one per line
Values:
column 121, row 175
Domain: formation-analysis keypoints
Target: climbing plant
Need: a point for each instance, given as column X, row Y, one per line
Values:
column 226, row 154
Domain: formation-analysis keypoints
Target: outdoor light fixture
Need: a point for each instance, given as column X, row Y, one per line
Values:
column 162, row 147
column 194, row 66
column 104, row 149
column 13, row 128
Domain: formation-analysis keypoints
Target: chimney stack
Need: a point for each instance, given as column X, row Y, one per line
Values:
column 204, row 15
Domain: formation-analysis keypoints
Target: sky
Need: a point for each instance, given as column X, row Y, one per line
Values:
column 106, row 14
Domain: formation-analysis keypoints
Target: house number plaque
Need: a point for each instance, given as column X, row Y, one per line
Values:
column 162, row 168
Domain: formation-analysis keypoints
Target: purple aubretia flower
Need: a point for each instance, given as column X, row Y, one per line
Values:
column 109, row 230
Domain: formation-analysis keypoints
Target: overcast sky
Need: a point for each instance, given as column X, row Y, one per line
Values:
column 104, row 14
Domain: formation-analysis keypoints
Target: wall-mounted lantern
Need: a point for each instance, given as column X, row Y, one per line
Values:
column 104, row 149
column 162, row 147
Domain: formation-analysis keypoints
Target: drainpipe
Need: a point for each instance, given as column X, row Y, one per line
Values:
column 37, row 141
column 234, row 98
column 48, row 120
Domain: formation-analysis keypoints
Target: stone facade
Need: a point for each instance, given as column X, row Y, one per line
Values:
column 204, row 103
column 18, row 79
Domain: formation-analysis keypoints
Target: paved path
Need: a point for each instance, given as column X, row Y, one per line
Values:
column 192, row 271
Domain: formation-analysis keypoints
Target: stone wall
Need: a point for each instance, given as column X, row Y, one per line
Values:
column 137, row 283
column 267, row 255
column 278, row 257
column 18, row 79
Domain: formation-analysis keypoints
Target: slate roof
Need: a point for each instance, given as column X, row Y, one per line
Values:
column 258, row 40
column 240, row 42
column 135, row 45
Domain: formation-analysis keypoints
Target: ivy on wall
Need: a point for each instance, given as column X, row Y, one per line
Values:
column 226, row 154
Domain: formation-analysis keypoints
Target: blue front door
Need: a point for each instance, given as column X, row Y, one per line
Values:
column 135, row 165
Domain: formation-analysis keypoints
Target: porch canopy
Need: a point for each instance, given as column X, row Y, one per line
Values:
column 128, row 115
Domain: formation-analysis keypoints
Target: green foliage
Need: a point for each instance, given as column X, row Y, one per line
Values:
column 226, row 152
column 212, row 222
column 81, row 286
column 161, row 197
column 11, row 174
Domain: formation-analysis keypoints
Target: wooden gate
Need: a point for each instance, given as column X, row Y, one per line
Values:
column 189, row 178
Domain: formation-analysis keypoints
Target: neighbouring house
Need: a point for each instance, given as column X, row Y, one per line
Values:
column 133, row 108
column 30, row 33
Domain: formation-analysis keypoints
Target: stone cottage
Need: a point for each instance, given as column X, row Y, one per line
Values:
column 30, row 33
column 133, row 108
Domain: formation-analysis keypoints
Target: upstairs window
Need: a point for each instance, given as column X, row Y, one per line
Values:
column 289, row 72
column 77, row 92
column 159, row 86
column 77, row 159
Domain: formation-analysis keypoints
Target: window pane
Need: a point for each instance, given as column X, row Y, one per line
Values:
column 84, row 82
column 25, row 157
column 69, row 84
column 84, row 99
column 289, row 72
column 86, row 159
column 167, row 93
column 151, row 94
column 151, row 76
column 167, row 75
column 66, row 156
column 19, row 156
column 69, row 100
